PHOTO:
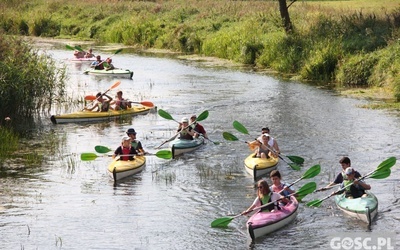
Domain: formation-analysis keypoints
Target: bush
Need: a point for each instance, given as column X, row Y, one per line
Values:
column 356, row 70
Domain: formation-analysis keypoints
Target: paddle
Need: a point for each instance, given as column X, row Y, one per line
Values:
column 144, row 103
column 199, row 118
column 303, row 191
column 90, row 97
column 69, row 47
column 310, row 173
column 164, row 114
column 295, row 159
column 163, row 154
column 116, row 52
column 381, row 172
column 230, row 137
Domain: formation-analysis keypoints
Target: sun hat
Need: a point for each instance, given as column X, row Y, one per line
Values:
column 184, row 119
column 349, row 170
column 131, row 131
column 125, row 138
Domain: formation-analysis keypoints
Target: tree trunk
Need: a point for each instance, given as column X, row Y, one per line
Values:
column 283, row 9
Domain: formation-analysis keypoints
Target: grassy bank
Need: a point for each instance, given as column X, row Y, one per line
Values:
column 345, row 44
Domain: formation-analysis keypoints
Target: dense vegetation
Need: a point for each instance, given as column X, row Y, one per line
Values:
column 351, row 45
column 29, row 83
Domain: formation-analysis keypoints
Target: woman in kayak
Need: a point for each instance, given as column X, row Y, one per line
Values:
column 102, row 104
column 271, row 142
column 264, row 196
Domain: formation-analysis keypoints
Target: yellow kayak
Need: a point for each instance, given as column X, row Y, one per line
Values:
column 91, row 116
column 120, row 169
column 258, row 167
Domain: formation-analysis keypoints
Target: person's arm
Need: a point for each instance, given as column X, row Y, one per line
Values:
column 363, row 185
column 118, row 151
column 256, row 203
column 276, row 147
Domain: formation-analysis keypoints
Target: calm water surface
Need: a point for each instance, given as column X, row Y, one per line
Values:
column 70, row 204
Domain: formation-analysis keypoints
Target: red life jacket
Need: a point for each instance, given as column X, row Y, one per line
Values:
column 125, row 151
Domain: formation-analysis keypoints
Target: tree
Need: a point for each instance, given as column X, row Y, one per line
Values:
column 284, row 10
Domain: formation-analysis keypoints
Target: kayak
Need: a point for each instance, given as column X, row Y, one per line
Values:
column 120, row 169
column 363, row 208
column 83, row 59
column 180, row 146
column 91, row 116
column 263, row 223
column 114, row 72
column 258, row 167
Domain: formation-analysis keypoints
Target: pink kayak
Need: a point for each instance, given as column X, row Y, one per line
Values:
column 83, row 59
column 263, row 223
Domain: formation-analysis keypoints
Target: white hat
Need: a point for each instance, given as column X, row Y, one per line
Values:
column 266, row 135
column 125, row 138
column 349, row 170
column 184, row 119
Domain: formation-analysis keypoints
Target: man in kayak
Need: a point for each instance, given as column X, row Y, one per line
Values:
column 185, row 131
column 136, row 144
column 198, row 127
column 102, row 104
column 89, row 54
column 264, row 196
column 345, row 162
column 126, row 151
column 98, row 64
column 357, row 187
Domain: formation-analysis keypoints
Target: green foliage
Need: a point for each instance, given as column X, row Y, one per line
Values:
column 321, row 63
column 356, row 70
column 29, row 82
column 364, row 32
column 283, row 52
column 9, row 142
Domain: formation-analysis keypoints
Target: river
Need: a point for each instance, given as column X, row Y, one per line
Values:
column 72, row 204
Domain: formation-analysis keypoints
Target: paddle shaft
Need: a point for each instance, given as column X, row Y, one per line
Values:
column 173, row 137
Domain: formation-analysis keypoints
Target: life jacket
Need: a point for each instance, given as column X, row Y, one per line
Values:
column 183, row 134
column 352, row 190
column 266, row 199
column 125, row 151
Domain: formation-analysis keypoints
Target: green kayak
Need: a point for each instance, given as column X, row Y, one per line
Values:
column 363, row 208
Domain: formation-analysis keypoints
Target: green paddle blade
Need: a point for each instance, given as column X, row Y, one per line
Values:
column 102, row 149
column 295, row 159
column 202, row 116
column 77, row 47
column 222, row 222
column 69, row 47
column 239, row 127
column 386, row 164
column 381, row 174
column 293, row 166
column 312, row 172
column 118, row 51
column 308, row 188
column 165, row 114
column 164, row 154
column 88, row 156
column 314, row 203
column 229, row 137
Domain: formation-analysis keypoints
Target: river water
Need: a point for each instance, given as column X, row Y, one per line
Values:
column 71, row 204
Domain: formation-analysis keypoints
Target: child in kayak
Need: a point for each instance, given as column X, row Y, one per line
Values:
column 126, row 151
column 357, row 187
column 345, row 162
column 278, row 186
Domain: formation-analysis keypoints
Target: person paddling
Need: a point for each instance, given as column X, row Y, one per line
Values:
column 185, row 131
column 102, row 105
column 345, row 162
column 264, row 196
column 198, row 128
column 354, row 188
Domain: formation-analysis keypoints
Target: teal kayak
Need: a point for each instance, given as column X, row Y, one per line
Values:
column 126, row 73
column 363, row 208
column 180, row 146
